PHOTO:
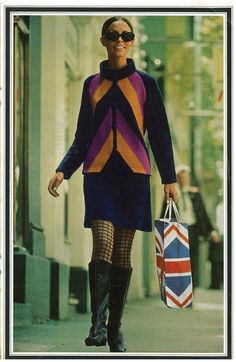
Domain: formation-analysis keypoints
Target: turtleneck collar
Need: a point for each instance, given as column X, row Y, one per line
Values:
column 117, row 74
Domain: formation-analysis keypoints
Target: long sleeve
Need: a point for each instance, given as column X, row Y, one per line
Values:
column 77, row 152
column 156, row 124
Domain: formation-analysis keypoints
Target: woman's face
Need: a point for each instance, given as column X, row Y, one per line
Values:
column 117, row 48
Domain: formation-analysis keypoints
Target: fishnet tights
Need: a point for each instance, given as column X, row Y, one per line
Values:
column 121, row 255
column 103, row 232
column 112, row 244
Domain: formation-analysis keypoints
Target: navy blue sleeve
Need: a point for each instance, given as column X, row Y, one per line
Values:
column 77, row 151
column 157, row 126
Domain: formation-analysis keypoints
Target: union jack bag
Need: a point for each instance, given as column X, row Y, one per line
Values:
column 173, row 260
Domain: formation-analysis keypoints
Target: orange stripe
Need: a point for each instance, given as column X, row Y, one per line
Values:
column 173, row 227
column 103, row 155
column 187, row 299
column 128, row 155
column 160, row 262
column 100, row 92
column 129, row 92
column 177, row 267
column 176, row 302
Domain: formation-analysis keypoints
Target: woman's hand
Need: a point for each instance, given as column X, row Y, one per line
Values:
column 54, row 183
column 170, row 191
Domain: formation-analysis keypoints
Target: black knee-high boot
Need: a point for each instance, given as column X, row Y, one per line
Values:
column 120, row 279
column 99, row 281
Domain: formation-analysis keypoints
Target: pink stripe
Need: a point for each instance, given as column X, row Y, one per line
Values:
column 133, row 141
column 139, row 87
column 94, row 84
column 99, row 139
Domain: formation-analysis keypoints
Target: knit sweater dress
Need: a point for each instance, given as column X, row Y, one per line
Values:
column 117, row 108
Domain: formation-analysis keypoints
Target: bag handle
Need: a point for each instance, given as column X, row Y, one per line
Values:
column 169, row 207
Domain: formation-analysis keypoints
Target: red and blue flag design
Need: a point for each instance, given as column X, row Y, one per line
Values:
column 173, row 263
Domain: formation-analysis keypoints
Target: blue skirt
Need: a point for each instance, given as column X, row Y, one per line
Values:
column 119, row 195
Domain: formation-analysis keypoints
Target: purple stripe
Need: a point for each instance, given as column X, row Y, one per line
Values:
column 94, row 84
column 133, row 141
column 99, row 139
column 139, row 88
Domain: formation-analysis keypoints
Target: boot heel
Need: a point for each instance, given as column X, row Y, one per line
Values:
column 116, row 348
column 93, row 342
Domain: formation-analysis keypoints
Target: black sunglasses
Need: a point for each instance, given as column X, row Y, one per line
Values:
column 113, row 35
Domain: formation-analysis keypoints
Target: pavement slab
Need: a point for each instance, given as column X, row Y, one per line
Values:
column 148, row 325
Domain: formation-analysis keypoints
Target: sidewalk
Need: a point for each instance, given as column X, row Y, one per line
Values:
column 149, row 327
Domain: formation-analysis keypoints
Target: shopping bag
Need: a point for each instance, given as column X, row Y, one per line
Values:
column 173, row 260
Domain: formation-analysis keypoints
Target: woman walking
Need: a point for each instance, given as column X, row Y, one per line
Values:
column 119, row 104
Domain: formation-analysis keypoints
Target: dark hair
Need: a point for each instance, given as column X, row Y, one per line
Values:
column 109, row 21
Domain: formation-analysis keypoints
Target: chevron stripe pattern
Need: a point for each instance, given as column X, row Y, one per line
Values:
column 173, row 263
column 131, row 147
